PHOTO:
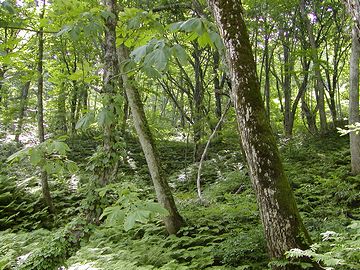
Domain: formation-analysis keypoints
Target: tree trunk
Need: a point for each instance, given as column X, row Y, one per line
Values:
column 354, row 101
column 287, row 85
column 40, row 109
column 281, row 220
column 173, row 221
column 61, row 110
column 109, row 83
column 319, row 90
column 23, row 104
column 198, row 100
column 217, row 87
column 267, row 75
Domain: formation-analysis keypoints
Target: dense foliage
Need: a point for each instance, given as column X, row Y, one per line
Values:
column 80, row 178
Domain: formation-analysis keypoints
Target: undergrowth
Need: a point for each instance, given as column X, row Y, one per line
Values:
column 223, row 233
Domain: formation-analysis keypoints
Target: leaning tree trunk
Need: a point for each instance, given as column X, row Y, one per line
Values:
column 282, row 223
column 354, row 101
column 173, row 221
column 40, row 113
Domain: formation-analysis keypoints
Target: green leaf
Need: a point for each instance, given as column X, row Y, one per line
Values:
column 105, row 117
column 71, row 166
column 139, row 53
column 156, row 208
column 85, row 121
column 180, row 53
column 138, row 215
column 151, row 72
column 205, row 40
column 193, row 25
column 36, row 156
column 18, row 155
column 114, row 215
column 59, row 147
column 158, row 58
column 65, row 29
column 77, row 75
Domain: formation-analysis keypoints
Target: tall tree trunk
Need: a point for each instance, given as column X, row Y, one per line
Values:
column 287, row 84
column 281, row 220
column 267, row 75
column 73, row 105
column 217, row 87
column 109, row 83
column 61, row 110
column 173, row 221
column 320, row 93
column 23, row 104
column 198, row 100
column 40, row 110
column 354, row 100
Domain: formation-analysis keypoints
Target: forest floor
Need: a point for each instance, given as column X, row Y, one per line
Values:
column 223, row 233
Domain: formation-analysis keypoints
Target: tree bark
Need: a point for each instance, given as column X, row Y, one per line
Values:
column 354, row 101
column 61, row 110
column 40, row 110
column 23, row 103
column 198, row 103
column 280, row 217
column 173, row 221
column 287, row 84
column 109, row 83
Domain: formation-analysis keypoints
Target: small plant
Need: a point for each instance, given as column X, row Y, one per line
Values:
column 336, row 251
column 129, row 208
column 49, row 156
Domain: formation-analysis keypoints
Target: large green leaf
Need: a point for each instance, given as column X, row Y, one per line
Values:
column 136, row 216
column 36, row 156
column 139, row 53
column 85, row 121
column 157, row 58
column 156, row 208
column 105, row 117
column 180, row 53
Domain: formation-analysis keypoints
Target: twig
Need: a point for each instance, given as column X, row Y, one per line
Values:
column 198, row 180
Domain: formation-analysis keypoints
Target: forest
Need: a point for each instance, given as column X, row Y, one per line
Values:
column 178, row 134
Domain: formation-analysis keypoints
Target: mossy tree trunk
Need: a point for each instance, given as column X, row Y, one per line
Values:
column 280, row 217
column 109, row 84
column 173, row 221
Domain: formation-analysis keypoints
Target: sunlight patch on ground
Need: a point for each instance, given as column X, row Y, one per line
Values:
column 77, row 266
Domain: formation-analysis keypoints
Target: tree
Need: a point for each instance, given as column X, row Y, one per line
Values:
column 173, row 221
column 354, row 9
column 40, row 108
column 280, row 217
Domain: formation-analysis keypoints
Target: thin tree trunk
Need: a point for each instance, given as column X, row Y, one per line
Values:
column 320, row 93
column 287, row 86
column 281, row 219
column 267, row 74
column 173, row 221
column 40, row 109
column 198, row 100
column 217, row 87
column 354, row 101
column 61, row 110
column 22, row 109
